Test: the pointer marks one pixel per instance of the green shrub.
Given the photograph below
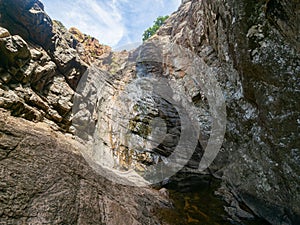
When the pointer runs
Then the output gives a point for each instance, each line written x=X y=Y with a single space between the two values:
x=152 y=30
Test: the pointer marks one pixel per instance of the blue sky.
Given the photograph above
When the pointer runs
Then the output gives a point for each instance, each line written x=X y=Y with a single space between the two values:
x=114 y=22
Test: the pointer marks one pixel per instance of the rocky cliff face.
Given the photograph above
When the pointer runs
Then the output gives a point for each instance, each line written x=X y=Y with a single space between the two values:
x=42 y=73
x=250 y=49
x=254 y=47
x=29 y=20
x=91 y=48
x=253 y=51
x=44 y=178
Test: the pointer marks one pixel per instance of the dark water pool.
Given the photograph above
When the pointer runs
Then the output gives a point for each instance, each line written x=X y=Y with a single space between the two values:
x=195 y=203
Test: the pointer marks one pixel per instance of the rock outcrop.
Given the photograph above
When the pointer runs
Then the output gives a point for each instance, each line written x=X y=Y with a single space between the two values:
x=251 y=49
x=91 y=50
x=254 y=47
x=93 y=53
x=45 y=180
x=253 y=52
x=31 y=85
x=30 y=21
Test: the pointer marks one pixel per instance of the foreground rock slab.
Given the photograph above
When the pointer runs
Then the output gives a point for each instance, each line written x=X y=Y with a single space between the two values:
x=45 y=180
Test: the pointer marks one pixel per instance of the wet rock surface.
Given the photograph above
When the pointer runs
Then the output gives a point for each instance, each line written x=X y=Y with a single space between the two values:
x=257 y=59
x=195 y=202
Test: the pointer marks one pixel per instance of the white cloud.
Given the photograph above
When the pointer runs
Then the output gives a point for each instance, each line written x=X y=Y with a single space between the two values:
x=113 y=22
x=100 y=20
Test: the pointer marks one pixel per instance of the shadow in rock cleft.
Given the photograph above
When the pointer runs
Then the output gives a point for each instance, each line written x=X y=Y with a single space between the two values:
x=195 y=202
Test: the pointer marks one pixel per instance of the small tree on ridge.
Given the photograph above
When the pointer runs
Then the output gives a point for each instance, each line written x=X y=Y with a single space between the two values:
x=152 y=30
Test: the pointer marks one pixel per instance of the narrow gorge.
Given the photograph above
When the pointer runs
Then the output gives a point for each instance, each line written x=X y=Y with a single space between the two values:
x=198 y=125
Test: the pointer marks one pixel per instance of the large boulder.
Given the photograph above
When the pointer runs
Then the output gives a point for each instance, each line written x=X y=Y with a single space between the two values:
x=14 y=54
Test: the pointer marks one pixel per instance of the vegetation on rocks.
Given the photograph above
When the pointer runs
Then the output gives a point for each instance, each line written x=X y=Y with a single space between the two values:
x=152 y=30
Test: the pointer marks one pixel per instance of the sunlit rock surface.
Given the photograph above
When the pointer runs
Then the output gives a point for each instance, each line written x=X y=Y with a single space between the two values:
x=253 y=51
x=44 y=179
x=249 y=49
